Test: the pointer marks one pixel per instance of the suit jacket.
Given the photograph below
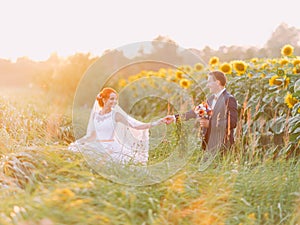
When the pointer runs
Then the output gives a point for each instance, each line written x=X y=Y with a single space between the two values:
x=222 y=122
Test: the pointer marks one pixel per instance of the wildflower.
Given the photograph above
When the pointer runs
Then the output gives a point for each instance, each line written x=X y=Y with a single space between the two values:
x=262 y=75
x=240 y=66
x=198 y=67
x=252 y=216
x=266 y=216
x=226 y=68
x=185 y=83
x=76 y=203
x=287 y=50
x=102 y=218
x=290 y=100
x=63 y=194
x=214 y=60
x=178 y=184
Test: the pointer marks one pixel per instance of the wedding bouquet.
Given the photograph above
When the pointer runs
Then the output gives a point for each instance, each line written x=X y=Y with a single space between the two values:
x=203 y=110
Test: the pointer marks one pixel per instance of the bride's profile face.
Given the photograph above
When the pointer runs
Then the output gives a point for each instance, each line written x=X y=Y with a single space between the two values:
x=111 y=101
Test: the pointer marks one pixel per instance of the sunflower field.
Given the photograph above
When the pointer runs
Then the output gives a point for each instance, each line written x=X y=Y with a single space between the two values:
x=257 y=182
x=267 y=91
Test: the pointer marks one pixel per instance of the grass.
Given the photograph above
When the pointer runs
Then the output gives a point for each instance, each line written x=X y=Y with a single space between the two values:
x=43 y=183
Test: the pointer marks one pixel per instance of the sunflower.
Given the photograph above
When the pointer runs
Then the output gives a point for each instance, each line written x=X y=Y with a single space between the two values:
x=287 y=50
x=226 y=68
x=264 y=66
x=290 y=100
x=151 y=73
x=254 y=60
x=185 y=83
x=162 y=72
x=172 y=79
x=122 y=83
x=275 y=80
x=240 y=66
x=188 y=69
x=280 y=72
x=179 y=74
x=250 y=75
x=143 y=73
x=296 y=70
x=214 y=61
x=170 y=71
x=286 y=82
x=296 y=62
x=283 y=62
x=133 y=78
x=273 y=61
x=198 y=67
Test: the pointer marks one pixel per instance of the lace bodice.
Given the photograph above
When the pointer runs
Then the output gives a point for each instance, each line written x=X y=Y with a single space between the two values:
x=104 y=126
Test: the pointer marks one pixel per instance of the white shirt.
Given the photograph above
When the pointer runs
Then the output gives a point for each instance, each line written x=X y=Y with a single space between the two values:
x=216 y=96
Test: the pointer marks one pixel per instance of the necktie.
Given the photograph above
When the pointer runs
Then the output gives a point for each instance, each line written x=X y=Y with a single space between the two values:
x=214 y=101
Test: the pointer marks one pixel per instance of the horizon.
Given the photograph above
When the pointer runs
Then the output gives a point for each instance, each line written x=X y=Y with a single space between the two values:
x=68 y=28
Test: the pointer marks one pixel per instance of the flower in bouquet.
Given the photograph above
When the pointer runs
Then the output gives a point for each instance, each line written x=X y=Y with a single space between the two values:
x=203 y=110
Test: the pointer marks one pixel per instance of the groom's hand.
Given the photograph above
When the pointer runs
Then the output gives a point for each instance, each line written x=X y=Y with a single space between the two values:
x=168 y=119
x=204 y=122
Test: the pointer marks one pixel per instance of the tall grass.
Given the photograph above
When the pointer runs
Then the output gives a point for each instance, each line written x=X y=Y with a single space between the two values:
x=43 y=183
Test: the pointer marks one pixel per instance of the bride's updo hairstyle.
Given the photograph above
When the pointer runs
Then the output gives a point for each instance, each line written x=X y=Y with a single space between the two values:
x=104 y=95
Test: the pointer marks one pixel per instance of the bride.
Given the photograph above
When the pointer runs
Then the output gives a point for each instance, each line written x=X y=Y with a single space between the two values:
x=113 y=134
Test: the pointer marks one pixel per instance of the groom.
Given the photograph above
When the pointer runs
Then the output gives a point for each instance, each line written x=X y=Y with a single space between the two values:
x=218 y=129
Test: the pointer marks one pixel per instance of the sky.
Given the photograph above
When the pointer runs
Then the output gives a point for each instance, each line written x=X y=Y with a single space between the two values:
x=38 y=28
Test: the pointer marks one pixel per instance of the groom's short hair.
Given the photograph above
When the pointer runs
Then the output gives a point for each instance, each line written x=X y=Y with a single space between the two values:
x=218 y=75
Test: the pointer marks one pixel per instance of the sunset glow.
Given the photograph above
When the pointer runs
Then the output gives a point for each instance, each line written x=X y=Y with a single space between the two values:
x=38 y=28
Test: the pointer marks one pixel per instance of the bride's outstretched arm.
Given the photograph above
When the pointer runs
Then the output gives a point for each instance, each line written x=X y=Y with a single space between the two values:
x=140 y=125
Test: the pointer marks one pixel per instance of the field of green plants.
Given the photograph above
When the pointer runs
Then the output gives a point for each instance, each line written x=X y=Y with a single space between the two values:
x=257 y=182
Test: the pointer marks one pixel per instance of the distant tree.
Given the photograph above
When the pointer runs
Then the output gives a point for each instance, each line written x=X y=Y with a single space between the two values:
x=63 y=75
x=282 y=35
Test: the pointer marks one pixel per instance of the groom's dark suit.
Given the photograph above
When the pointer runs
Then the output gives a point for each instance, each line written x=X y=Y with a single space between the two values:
x=222 y=122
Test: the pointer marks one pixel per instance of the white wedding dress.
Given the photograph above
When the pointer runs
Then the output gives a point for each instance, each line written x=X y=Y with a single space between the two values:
x=115 y=141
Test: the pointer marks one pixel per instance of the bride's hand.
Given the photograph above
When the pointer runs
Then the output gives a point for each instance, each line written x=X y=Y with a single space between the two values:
x=157 y=122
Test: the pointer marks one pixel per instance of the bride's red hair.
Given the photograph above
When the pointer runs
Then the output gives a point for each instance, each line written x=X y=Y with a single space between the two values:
x=104 y=95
